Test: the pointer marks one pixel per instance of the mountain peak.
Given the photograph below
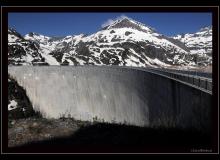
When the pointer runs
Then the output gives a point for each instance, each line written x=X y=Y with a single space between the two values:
x=13 y=32
x=36 y=37
x=31 y=34
x=205 y=31
x=206 y=28
x=126 y=22
x=10 y=29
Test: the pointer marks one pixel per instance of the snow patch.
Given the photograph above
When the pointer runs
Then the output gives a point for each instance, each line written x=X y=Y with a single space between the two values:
x=12 y=105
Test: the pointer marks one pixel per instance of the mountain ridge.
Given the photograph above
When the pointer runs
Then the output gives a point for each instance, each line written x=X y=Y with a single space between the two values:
x=125 y=42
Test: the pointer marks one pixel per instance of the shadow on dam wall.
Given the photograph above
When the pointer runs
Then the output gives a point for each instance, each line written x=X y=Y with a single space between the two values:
x=114 y=94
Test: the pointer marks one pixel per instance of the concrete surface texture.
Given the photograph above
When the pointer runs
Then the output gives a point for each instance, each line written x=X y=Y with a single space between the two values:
x=114 y=94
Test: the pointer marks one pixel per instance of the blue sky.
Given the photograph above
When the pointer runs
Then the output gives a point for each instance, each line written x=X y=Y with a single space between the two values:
x=62 y=24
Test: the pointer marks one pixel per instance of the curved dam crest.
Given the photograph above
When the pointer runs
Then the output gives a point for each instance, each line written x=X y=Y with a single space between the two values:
x=114 y=94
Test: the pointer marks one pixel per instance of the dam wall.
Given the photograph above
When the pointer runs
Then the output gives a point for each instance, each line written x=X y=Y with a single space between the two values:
x=114 y=94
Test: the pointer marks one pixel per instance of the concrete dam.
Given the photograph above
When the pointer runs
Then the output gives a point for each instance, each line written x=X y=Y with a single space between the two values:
x=114 y=94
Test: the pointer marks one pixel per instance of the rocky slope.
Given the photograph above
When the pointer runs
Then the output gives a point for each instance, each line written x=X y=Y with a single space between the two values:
x=199 y=44
x=19 y=105
x=22 y=51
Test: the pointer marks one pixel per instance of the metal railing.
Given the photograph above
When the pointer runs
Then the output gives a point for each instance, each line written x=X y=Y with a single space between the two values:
x=198 y=81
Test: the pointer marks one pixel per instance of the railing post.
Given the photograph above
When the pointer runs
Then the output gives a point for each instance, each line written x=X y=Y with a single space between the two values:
x=206 y=84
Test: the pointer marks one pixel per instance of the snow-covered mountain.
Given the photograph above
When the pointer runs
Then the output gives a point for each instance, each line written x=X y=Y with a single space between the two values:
x=199 y=43
x=125 y=42
x=22 y=51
